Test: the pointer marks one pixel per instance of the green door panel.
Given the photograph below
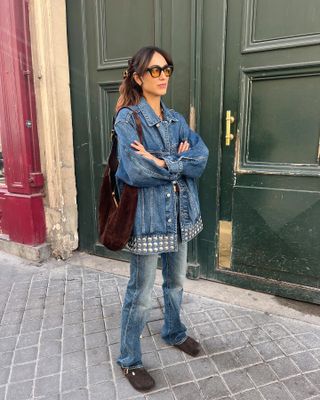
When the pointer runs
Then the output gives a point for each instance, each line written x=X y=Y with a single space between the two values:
x=278 y=19
x=285 y=131
x=276 y=241
x=270 y=174
x=116 y=37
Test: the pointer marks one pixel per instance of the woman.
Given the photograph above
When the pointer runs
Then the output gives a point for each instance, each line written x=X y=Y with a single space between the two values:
x=164 y=168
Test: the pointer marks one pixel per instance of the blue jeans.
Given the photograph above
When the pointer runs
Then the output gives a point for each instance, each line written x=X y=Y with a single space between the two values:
x=137 y=302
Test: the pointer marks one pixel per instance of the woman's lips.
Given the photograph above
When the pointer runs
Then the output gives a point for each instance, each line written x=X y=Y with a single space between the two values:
x=162 y=86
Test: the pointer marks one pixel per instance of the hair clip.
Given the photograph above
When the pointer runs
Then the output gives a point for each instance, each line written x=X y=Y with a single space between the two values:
x=125 y=74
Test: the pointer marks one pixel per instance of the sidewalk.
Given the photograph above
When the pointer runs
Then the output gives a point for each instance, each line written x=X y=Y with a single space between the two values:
x=59 y=338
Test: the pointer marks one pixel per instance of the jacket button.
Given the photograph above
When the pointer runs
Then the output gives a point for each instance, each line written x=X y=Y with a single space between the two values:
x=158 y=124
x=169 y=219
x=168 y=194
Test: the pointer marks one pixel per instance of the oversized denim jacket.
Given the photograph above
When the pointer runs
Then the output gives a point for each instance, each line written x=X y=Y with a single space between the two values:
x=155 y=228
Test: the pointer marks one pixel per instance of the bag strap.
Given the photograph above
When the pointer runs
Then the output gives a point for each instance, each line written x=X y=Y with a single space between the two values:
x=138 y=124
x=136 y=118
x=113 y=160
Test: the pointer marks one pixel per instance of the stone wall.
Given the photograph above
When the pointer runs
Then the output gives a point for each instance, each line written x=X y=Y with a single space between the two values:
x=48 y=29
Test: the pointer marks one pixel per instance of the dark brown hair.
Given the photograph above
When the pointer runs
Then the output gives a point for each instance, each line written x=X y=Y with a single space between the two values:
x=130 y=91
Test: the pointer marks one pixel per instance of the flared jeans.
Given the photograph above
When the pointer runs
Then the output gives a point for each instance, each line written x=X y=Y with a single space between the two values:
x=138 y=300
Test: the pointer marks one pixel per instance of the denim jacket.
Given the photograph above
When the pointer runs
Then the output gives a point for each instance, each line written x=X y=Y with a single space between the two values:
x=156 y=222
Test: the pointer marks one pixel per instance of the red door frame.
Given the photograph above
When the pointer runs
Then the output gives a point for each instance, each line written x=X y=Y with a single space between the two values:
x=21 y=198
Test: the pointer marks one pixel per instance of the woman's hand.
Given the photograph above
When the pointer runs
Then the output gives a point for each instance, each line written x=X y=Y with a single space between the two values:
x=142 y=151
x=183 y=146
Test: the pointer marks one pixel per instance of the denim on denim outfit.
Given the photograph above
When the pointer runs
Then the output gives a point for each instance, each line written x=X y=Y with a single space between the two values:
x=165 y=220
x=156 y=227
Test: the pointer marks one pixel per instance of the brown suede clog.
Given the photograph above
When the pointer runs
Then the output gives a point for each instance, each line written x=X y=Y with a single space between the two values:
x=189 y=346
x=139 y=378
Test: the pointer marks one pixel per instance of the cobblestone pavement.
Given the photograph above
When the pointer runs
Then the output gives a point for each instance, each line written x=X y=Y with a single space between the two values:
x=59 y=338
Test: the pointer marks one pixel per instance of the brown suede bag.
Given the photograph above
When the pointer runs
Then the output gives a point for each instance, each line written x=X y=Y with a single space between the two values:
x=117 y=213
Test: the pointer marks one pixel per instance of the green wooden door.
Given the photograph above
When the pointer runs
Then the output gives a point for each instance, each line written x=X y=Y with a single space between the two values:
x=102 y=36
x=270 y=174
x=258 y=59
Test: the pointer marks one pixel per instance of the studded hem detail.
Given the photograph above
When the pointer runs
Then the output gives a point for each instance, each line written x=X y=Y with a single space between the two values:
x=192 y=231
x=153 y=244
x=163 y=243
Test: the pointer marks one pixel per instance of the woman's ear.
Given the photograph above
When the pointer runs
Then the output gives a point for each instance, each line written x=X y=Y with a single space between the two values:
x=137 y=78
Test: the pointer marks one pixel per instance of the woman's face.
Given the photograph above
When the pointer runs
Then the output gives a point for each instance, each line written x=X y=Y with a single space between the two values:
x=154 y=86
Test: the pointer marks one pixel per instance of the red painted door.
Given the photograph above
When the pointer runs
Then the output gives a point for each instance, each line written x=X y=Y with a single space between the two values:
x=21 y=195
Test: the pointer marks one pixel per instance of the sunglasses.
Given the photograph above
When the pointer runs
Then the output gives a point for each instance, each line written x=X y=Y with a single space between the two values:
x=155 y=71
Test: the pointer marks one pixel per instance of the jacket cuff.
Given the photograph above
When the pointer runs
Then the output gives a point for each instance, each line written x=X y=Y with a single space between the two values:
x=174 y=167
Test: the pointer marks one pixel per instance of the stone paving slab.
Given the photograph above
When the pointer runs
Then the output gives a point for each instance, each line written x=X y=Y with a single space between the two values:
x=59 y=339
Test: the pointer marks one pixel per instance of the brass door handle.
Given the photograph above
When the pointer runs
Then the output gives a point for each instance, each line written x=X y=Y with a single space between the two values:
x=229 y=121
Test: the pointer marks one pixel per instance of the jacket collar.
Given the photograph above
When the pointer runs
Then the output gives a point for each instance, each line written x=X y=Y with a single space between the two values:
x=151 y=117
